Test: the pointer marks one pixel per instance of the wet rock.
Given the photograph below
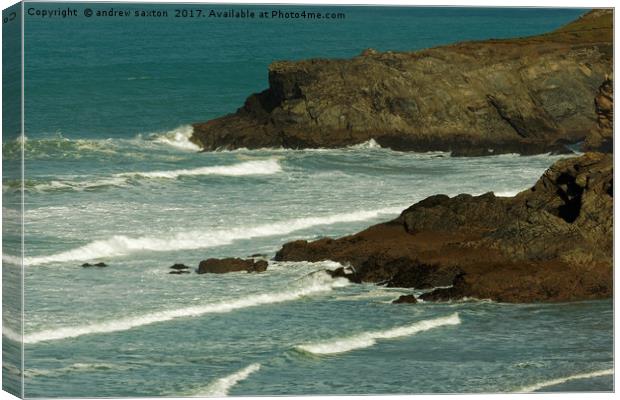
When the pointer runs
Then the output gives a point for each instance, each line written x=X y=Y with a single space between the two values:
x=346 y=273
x=99 y=264
x=405 y=299
x=179 y=267
x=552 y=242
x=225 y=265
x=527 y=95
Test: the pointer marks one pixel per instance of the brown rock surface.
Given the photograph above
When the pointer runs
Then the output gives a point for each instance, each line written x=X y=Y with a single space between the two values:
x=552 y=242
x=405 y=299
x=527 y=95
x=225 y=265
x=601 y=138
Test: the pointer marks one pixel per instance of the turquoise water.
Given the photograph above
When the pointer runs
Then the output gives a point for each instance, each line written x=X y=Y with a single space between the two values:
x=112 y=177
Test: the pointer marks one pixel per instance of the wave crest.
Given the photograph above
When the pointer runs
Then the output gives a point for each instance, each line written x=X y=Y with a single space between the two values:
x=222 y=386
x=178 y=138
x=537 y=386
x=368 y=339
x=120 y=245
x=314 y=283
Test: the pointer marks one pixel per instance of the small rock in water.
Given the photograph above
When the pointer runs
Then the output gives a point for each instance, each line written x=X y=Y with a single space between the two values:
x=225 y=265
x=406 y=298
x=99 y=264
x=179 y=267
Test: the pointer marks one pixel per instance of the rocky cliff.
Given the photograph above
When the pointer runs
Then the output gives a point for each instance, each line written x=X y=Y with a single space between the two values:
x=553 y=242
x=526 y=95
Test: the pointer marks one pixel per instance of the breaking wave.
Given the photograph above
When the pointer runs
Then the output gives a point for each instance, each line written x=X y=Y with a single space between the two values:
x=256 y=167
x=368 y=339
x=177 y=138
x=314 y=283
x=553 y=382
x=75 y=368
x=246 y=168
x=120 y=245
x=222 y=386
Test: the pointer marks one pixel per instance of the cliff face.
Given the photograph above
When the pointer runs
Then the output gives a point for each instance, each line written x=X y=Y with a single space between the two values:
x=553 y=242
x=526 y=95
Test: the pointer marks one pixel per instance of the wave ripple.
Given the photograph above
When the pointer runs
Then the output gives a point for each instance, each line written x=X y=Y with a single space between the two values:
x=314 y=283
x=368 y=339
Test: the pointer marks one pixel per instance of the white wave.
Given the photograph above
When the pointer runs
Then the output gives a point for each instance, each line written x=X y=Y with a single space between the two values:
x=80 y=185
x=248 y=168
x=13 y=260
x=507 y=193
x=76 y=367
x=553 y=382
x=178 y=138
x=11 y=334
x=368 y=339
x=312 y=284
x=255 y=167
x=222 y=386
x=122 y=245
x=369 y=144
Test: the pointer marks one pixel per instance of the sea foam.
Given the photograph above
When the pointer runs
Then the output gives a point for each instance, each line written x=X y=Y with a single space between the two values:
x=368 y=339
x=558 y=381
x=314 y=283
x=222 y=386
x=177 y=138
x=121 y=245
x=246 y=168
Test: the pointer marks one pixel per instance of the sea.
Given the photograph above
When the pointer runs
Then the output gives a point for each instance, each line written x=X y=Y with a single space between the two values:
x=111 y=176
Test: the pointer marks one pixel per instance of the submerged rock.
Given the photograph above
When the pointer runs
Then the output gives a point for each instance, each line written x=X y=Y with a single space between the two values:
x=406 y=298
x=99 y=264
x=526 y=95
x=179 y=272
x=225 y=265
x=552 y=242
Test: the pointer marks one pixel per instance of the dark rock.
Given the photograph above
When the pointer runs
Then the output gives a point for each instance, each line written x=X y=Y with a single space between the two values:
x=222 y=266
x=553 y=242
x=99 y=264
x=179 y=266
x=342 y=272
x=528 y=95
x=406 y=298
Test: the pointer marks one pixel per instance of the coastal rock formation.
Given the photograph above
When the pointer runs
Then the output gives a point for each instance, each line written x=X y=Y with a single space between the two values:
x=601 y=138
x=526 y=95
x=225 y=265
x=553 y=242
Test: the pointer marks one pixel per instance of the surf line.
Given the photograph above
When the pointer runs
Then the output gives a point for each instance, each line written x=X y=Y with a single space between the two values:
x=558 y=381
x=368 y=339
x=313 y=284
x=222 y=386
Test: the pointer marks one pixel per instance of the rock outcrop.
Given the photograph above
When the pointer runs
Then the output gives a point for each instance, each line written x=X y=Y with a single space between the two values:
x=526 y=95
x=553 y=242
x=601 y=138
x=225 y=265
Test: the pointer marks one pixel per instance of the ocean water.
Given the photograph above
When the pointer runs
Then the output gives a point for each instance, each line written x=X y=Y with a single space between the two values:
x=111 y=177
